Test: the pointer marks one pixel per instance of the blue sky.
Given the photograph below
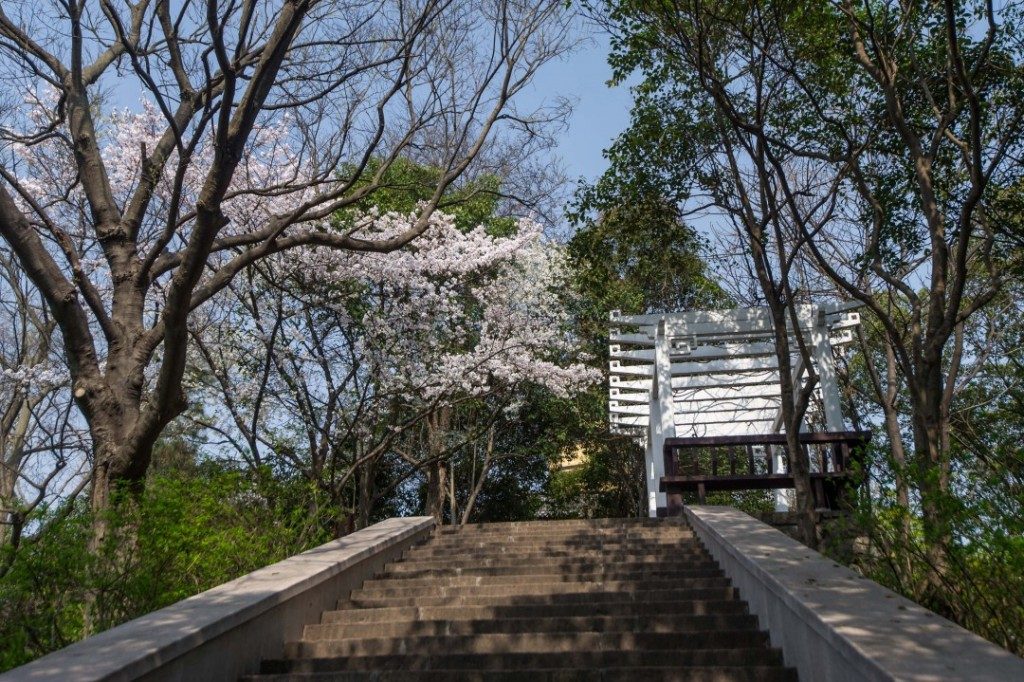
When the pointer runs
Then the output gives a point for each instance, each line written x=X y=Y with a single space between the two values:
x=600 y=112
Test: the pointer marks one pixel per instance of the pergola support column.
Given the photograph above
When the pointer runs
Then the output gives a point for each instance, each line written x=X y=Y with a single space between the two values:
x=662 y=421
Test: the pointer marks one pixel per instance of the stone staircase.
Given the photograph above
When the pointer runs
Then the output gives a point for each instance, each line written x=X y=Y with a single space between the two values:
x=546 y=600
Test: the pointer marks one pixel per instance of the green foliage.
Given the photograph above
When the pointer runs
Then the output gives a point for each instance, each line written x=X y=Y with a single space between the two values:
x=984 y=507
x=607 y=480
x=407 y=183
x=631 y=252
x=637 y=256
x=42 y=593
x=791 y=68
x=192 y=529
x=984 y=572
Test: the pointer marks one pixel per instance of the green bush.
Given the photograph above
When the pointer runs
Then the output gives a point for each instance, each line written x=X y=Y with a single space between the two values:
x=190 y=530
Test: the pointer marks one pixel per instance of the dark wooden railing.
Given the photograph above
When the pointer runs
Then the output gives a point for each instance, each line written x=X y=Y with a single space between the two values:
x=710 y=463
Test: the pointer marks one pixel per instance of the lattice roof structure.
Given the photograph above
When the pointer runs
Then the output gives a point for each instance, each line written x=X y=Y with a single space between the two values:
x=723 y=372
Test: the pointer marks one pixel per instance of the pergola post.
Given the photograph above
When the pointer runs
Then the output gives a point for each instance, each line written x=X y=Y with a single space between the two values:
x=826 y=368
x=662 y=420
x=778 y=466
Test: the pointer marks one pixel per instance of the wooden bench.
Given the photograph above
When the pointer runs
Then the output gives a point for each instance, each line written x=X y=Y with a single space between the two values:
x=730 y=463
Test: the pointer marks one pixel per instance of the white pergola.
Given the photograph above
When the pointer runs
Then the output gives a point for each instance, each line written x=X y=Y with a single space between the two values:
x=715 y=373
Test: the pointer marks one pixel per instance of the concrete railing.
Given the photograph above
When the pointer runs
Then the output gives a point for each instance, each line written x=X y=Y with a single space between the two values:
x=225 y=632
x=833 y=624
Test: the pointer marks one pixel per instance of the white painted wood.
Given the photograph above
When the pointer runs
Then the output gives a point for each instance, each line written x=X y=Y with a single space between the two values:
x=630 y=420
x=762 y=424
x=702 y=352
x=770 y=402
x=839 y=310
x=686 y=398
x=617 y=367
x=646 y=354
x=732 y=350
x=619 y=408
x=631 y=339
x=631 y=396
x=726 y=416
x=825 y=366
x=730 y=366
x=711 y=416
x=716 y=317
x=710 y=430
x=740 y=381
x=750 y=382
x=722 y=371
x=663 y=426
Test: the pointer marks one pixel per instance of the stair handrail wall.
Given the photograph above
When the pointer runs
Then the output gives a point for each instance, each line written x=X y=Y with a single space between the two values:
x=225 y=632
x=833 y=624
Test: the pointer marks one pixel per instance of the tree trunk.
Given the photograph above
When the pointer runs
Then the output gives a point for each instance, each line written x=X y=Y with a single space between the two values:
x=932 y=462
x=478 y=484
x=117 y=468
x=367 y=489
x=12 y=452
x=7 y=504
x=807 y=518
x=892 y=429
x=437 y=472
x=120 y=463
x=453 y=504
x=779 y=297
x=887 y=397
x=437 y=490
x=792 y=419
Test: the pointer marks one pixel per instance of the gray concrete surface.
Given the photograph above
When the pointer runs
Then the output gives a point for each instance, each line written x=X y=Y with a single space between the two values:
x=833 y=624
x=225 y=632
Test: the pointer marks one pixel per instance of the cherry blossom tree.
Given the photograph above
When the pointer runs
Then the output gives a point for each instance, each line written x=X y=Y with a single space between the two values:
x=363 y=349
x=266 y=119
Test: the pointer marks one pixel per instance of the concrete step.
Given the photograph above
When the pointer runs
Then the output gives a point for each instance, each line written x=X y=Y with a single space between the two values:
x=640 y=597
x=548 y=562
x=561 y=601
x=523 y=544
x=562 y=624
x=526 y=642
x=716 y=673
x=549 y=528
x=692 y=607
x=431 y=578
x=636 y=534
x=512 y=589
x=413 y=570
x=540 y=526
x=526 y=553
x=564 y=542
x=680 y=658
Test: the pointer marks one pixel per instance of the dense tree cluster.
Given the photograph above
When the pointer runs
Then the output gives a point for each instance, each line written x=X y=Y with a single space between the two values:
x=273 y=271
x=867 y=153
